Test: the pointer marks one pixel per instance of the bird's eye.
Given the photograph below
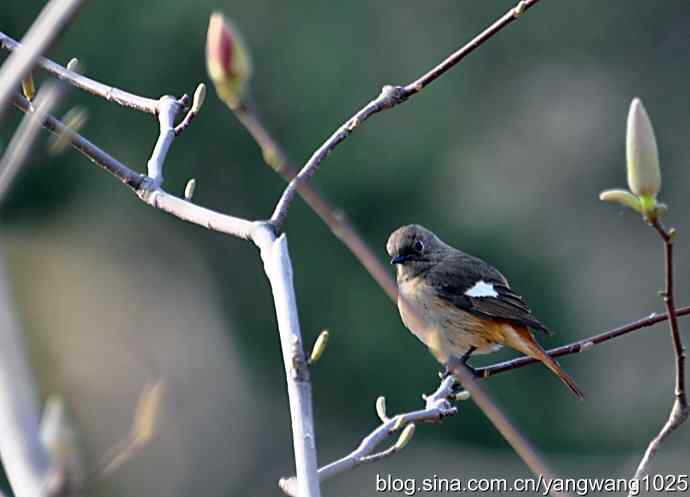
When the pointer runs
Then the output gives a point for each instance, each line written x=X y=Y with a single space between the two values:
x=418 y=247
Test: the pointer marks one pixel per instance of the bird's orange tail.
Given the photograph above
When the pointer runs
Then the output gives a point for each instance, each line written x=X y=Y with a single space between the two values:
x=550 y=363
x=528 y=345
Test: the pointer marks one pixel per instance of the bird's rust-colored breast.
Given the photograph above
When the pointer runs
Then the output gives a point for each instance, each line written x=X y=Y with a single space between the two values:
x=444 y=328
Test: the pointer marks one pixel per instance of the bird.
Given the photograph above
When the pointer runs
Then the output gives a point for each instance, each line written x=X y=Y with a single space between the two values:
x=459 y=305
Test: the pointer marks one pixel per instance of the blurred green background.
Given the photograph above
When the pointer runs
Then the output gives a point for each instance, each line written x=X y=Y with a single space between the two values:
x=503 y=157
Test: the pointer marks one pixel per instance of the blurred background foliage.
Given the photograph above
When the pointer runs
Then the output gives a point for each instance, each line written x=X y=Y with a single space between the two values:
x=503 y=157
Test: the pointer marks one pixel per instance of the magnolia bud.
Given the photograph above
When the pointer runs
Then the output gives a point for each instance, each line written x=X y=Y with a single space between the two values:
x=644 y=176
x=405 y=437
x=189 y=189
x=29 y=88
x=623 y=197
x=381 y=408
x=319 y=347
x=199 y=98
x=227 y=59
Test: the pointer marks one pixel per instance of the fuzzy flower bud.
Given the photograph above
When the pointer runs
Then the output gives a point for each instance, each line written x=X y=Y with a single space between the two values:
x=227 y=59
x=623 y=197
x=644 y=176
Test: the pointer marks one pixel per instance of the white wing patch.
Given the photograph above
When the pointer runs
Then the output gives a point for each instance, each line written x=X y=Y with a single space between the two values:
x=482 y=289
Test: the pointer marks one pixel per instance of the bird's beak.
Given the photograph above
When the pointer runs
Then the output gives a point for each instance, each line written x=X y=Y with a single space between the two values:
x=399 y=259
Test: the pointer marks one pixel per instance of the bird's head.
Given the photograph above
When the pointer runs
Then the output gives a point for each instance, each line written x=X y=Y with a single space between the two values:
x=414 y=249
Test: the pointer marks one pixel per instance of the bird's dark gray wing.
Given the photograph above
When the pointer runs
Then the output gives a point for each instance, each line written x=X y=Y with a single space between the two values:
x=457 y=275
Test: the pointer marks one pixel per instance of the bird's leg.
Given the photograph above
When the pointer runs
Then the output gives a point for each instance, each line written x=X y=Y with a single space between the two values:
x=466 y=356
x=457 y=387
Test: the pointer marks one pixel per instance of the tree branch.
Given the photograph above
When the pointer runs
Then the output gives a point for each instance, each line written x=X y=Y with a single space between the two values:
x=583 y=345
x=278 y=268
x=502 y=423
x=54 y=17
x=679 y=411
x=390 y=97
x=27 y=132
x=96 y=155
x=437 y=407
x=29 y=467
x=143 y=185
x=109 y=93
x=334 y=218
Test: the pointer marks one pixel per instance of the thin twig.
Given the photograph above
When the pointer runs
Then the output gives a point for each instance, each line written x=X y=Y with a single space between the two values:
x=109 y=93
x=334 y=218
x=168 y=108
x=502 y=423
x=96 y=155
x=23 y=139
x=438 y=71
x=437 y=407
x=54 y=17
x=142 y=184
x=389 y=97
x=679 y=411
x=583 y=345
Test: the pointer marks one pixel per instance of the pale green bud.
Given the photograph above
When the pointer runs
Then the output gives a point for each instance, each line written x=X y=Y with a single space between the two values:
x=405 y=437
x=623 y=197
x=319 y=347
x=199 y=97
x=381 y=408
x=189 y=189
x=29 y=88
x=644 y=175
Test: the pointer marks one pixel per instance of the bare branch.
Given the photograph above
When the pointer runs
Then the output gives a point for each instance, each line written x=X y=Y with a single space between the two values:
x=334 y=218
x=501 y=421
x=679 y=411
x=278 y=268
x=142 y=184
x=28 y=465
x=431 y=413
x=438 y=71
x=437 y=407
x=389 y=97
x=96 y=155
x=109 y=93
x=168 y=108
x=54 y=17
x=23 y=139
x=583 y=345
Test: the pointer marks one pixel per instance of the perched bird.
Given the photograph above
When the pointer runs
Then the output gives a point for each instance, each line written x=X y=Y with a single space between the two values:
x=457 y=304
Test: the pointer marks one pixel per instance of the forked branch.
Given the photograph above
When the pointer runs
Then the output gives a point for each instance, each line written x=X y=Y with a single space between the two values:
x=679 y=410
